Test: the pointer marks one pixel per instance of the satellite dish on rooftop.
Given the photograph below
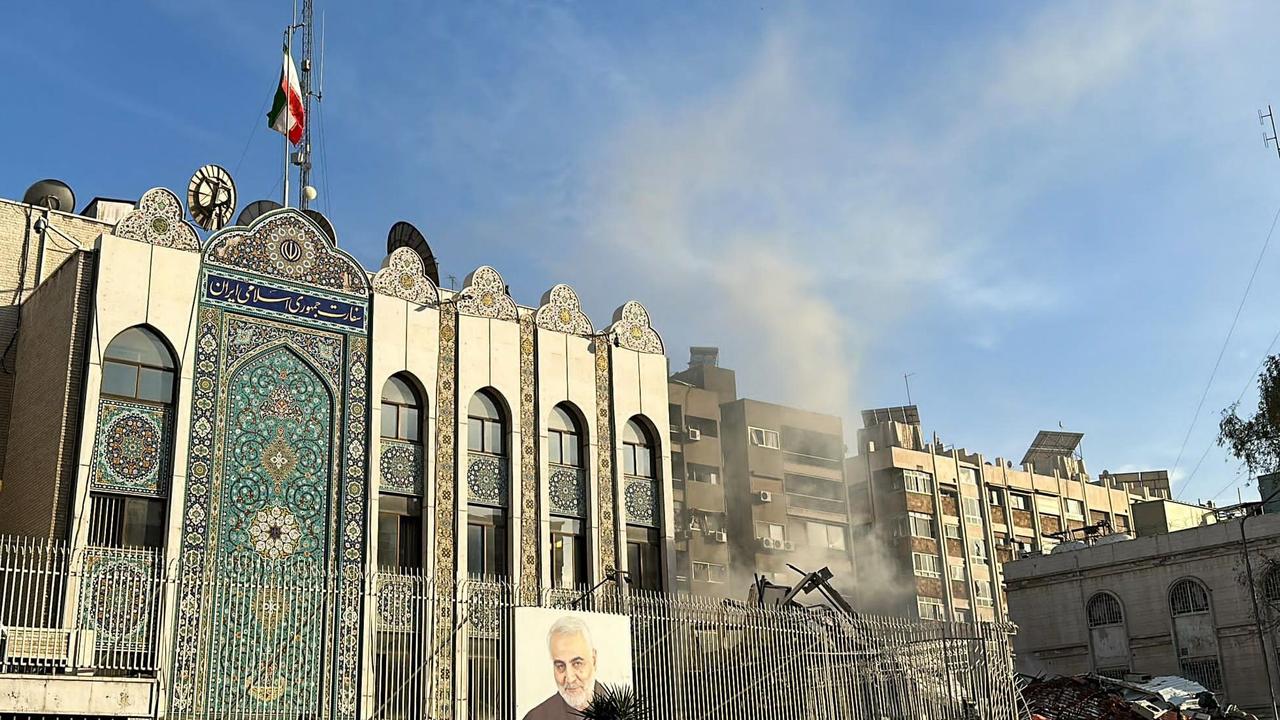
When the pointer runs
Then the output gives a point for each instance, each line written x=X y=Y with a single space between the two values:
x=324 y=224
x=51 y=194
x=404 y=234
x=256 y=209
x=211 y=197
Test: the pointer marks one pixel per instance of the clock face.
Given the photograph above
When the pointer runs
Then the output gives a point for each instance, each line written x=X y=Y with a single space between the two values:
x=211 y=197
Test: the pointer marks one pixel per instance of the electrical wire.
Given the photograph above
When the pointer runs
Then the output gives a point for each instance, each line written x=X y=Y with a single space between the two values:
x=1231 y=330
x=257 y=123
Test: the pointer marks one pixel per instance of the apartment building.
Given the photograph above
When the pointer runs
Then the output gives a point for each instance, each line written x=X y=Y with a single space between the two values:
x=933 y=525
x=757 y=486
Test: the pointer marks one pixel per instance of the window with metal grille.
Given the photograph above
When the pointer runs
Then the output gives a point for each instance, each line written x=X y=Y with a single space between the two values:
x=1204 y=671
x=1271 y=587
x=1188 y=597
x=1104 y=609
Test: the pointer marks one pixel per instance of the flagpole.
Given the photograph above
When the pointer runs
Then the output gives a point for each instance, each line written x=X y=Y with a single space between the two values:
x=288 y=47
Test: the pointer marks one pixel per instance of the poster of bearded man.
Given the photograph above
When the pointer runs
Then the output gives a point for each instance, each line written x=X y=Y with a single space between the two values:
x=563 y=657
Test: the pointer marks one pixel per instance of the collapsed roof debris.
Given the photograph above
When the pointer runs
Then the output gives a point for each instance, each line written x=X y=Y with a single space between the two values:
x=1094 y=697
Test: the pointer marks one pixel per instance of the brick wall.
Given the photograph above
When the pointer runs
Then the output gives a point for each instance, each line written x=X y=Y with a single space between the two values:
x=49 y=361
x=26 y=259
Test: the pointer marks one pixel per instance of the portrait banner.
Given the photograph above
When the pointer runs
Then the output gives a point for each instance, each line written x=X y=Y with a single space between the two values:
x=565 y=657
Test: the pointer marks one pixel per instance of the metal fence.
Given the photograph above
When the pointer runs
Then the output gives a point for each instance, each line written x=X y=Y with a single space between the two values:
x=693 y=658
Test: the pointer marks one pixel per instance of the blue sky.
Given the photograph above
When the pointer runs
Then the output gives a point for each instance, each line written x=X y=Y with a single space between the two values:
x=1046 y=212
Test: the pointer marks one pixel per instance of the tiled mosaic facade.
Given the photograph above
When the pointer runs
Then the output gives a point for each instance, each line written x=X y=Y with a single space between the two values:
x=605 y=479
x=562 y=311
x=158 y=220
x=404 y=276
x=132 y=447
x=400 y=466
x=487 y=480
x=640 y=498
x=445 y=529
x=118 y=597
x=485 y=295
x=277 y=480
x=529 y=527
x=632 y=329
x=567 y=488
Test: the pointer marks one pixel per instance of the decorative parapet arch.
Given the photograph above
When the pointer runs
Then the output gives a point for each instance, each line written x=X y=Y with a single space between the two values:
x=286 y=244
x=403 y=275
x=631 y=329
x=562 y=311
x=158 y=220
x=484 y=294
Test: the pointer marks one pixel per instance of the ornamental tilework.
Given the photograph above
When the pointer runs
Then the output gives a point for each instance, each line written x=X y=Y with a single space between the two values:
x=529 y=525
x=119 y=596
x=400 y=467
x=486 y=480
x=445 y=532
x=395 y=599
x=404 y=276
x=562 y=311
x=275 y=496
x=132 y=447
x=485 y=295
x=568 y=491
x=158 y=220
x=604 y=470
x=286 y=244
x=641 y=501
x=633 y=330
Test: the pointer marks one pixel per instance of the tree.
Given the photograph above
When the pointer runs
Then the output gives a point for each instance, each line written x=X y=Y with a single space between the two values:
x=615 y=702
x=1256 y=440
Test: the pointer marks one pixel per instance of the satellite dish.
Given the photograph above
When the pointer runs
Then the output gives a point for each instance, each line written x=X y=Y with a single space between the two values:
x=256 y=208
x=404 y=234
x=211 y=197
x=51 y=194
x=324 y=224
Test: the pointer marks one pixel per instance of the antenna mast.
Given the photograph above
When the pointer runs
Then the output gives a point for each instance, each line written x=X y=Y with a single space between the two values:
x=303 y=157
x=1269 y=140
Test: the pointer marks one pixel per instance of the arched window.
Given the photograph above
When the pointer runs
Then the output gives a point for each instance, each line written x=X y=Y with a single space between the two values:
x=138 y=365
x=637 y=451
x=401 y=461
x=401 y=410
x=1104 y=609
x=486 y=425
x=566 y=455
x=1195 y=635
x=1188 y=597
x=564 y=438
x=639 y=468
x=134 y=441
x=1271 y=588
x=487 y=473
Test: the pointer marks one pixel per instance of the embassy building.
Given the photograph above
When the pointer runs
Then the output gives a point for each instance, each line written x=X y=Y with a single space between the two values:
x=244 y=477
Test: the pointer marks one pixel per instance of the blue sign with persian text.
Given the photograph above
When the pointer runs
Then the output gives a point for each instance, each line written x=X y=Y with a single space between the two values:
x=278 y=301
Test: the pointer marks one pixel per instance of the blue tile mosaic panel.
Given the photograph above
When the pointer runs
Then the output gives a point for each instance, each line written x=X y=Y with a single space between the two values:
x=400 y=467
x=131 y=448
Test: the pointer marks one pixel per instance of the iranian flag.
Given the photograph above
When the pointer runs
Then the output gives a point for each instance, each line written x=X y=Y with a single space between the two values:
x=287 y=116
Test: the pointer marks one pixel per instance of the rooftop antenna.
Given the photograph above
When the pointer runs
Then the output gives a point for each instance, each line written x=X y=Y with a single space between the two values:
x=302 y=158
x=906 y=380
x=1263 y=119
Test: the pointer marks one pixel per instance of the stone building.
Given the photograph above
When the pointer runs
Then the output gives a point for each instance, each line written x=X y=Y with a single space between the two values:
x=757 y=486
x=932 y=527
x=257 y=404
x=1175 y=603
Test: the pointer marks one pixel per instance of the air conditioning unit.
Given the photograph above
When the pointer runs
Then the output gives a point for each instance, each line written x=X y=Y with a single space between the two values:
x=764 y=496
x=695 y=434
x=788 y=545
x=713 y=478
x=721 y=536
x=766 y=543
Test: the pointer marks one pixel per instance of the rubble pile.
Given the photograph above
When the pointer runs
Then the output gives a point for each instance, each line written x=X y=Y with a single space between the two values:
x=1094 y=697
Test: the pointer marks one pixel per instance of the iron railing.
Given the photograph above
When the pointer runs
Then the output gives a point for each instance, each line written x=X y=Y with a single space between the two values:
x=101 y=610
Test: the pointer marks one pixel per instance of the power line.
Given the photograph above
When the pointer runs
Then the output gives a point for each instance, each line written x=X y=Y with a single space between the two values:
x=1231 y=330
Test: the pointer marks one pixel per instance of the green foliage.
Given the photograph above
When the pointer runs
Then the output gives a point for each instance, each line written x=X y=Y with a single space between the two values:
x=615 y=702
x=1256 y=440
